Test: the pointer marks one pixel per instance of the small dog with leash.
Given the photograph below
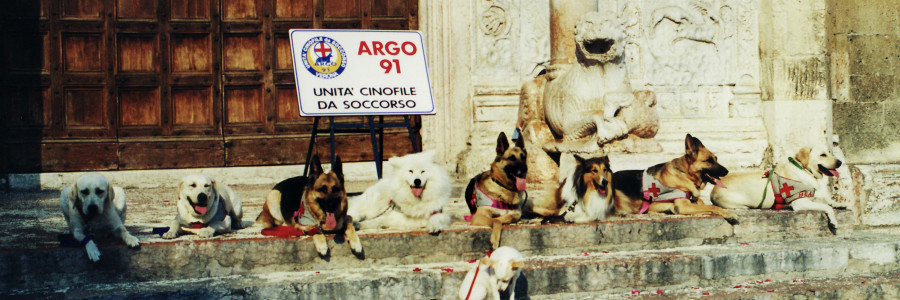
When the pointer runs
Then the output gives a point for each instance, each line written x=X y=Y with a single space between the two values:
x=204 y=208
x=495 y=197
x=672 y=187
x=93 y=205
x=315 y=204
x=792 y=182
x=494 y=273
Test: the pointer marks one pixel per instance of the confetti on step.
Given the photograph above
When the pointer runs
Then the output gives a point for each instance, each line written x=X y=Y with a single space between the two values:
x=738 y=286
x=795 y=280
x=635 y=292
x=770 y=291
x=583 y=254
x=768 y=280
x=604 y=251
x=705 y=293
x=471 y=261
x=417 y=270
x=659 y=292
x=745 y=244
x=447 y=269
x=694 y=287
x=758 y=281
x=864 y=282
x=165 y=201
x=317 y=272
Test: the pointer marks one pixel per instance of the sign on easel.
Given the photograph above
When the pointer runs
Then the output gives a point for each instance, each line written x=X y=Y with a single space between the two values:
x=357 y=72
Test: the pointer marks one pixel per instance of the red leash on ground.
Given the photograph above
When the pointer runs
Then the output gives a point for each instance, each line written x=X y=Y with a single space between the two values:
x=287 y=231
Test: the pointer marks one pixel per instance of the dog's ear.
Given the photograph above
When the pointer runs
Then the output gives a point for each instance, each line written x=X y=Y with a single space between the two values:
x=502 y=143
x=315 y=167
x=338 y=168
x=802 y=156
x=520 y=142
x=579 y=159
x=692 y=145
x=605 y=161
x=487 y=261
x=73 y=196
x=517 y=265
x=110 y=194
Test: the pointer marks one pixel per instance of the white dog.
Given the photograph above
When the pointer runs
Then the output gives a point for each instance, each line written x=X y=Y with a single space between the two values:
x=793 y=182
x=496 y=272
x=411 y=197
x=205 y=208
x=92 y=205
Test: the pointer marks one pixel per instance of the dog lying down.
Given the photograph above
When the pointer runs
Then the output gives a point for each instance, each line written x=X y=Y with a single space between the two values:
x=204 y=208
x=792 y=182
x=411 y=197
x=93 y=206
x=496 y=272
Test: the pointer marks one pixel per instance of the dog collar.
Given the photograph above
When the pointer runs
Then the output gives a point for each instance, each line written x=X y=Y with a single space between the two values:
x=654 y=191
x=795 y=163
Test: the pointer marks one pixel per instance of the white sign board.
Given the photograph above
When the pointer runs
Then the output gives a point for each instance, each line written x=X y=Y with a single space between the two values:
x=353 y=72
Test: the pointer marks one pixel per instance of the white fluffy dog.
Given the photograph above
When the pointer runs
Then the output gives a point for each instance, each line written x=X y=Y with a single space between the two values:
x=205 y=208
x=411 y=197
x=496 y=272
x=92 y=205
x=794 y=183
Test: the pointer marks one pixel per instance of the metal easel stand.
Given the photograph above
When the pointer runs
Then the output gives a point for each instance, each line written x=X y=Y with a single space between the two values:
x=370 y=126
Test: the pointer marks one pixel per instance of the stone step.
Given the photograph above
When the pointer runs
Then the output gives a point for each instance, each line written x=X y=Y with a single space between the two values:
x=250 y=254
x=712 y=267
x=848 y=287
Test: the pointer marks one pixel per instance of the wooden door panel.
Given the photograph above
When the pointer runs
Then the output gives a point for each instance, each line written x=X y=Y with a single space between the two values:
x=190 y=10
x=243 y=53
x=193 y=107
x=239 y=10
x=136 y=9
x=191 y=53
x=78 y=156
x=243 y=105
x=81 y=9
x=140 y=107
x=85 y=107
x=82 y=52
x=292 y=149
x=137 y=53
x=294 y=9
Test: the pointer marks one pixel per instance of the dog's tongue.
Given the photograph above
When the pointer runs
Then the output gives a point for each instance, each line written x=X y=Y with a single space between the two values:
x=329 y=220
x=835 y=173
x=417 y=191
x=520 y=184
x=200 y=209
x=719 y=182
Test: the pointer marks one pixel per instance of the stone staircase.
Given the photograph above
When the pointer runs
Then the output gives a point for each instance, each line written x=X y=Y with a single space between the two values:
x=660 y=256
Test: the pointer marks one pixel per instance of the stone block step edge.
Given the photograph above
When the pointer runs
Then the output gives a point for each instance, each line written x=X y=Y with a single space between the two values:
x=718 y=266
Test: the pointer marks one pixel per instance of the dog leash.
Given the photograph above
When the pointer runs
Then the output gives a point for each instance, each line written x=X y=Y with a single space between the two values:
x=477 y=268
x=766 y=187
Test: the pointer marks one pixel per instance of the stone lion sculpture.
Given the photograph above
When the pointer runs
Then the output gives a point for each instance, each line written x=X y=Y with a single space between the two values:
x=588 y=107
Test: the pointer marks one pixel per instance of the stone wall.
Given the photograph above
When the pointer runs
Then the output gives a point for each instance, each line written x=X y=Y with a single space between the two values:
x=864 y=43
x=865 y=76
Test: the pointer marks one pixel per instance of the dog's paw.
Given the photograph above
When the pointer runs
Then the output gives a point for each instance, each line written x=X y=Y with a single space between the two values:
x=206 y=232
x=437 y=223
x=92 y=251
x=322 y=249
x=171 y=234
x=132 y=241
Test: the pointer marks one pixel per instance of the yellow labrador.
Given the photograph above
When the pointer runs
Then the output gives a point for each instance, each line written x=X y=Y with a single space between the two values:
x=792 y=182
x=205 y=208
x=92 y=205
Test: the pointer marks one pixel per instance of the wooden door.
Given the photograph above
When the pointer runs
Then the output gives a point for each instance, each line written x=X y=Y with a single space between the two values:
x=138 y=84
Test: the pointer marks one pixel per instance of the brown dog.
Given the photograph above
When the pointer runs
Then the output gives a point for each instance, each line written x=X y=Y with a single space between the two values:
x=495 y=197
x=316 y=204
x=584 y=196
x=672 y=187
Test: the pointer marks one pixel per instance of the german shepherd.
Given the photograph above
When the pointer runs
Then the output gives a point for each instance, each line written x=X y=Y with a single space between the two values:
x=584 y=196
x=495 y=197
x=636 y=191
x=317 y=204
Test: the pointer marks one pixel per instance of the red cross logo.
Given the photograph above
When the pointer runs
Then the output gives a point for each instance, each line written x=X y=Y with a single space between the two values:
x=785 y=189
x=322 y=49
x=653 y=189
